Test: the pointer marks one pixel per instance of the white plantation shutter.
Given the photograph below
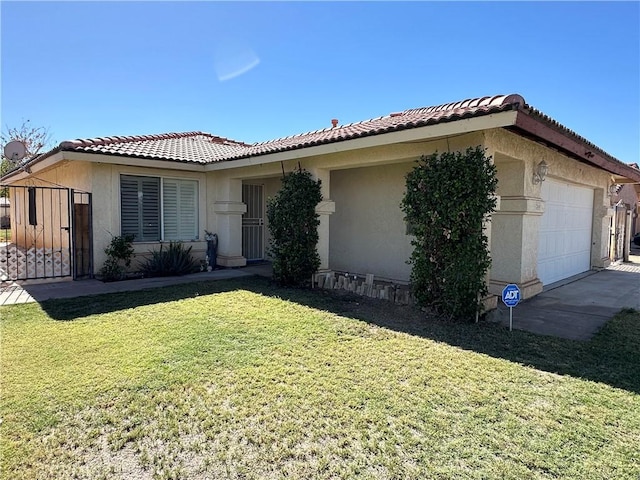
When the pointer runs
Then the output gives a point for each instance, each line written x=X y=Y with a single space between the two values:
x=129 y=216
x=180 y=209
x=140 y=207
x=150 y=206
x=170 y=210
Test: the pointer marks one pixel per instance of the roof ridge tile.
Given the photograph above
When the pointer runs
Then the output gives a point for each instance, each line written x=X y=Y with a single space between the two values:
x=101 y=141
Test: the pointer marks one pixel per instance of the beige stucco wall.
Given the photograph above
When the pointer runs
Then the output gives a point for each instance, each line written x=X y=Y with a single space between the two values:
x=367 y=233
x=367 y=230
x=362 y=228
x=106 y=209
x=76 y=175
x=102 y=180
x=515 y=226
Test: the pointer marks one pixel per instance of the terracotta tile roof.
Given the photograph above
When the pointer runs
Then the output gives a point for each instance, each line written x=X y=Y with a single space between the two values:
x=557 y=126
x=195 y=147
x=199 y=147
x=413 y=118
x=203 y=148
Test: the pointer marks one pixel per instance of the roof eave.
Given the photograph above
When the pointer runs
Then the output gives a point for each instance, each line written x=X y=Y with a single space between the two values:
x=417 y=134
x=579 y=150
x=134 y=161
x=51 y=158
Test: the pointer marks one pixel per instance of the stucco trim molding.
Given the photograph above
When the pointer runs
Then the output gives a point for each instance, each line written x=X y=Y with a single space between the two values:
x=520 y=205
x=229 y=208
x=326 y=207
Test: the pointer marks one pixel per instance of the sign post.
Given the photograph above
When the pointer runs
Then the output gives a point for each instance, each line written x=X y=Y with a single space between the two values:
x=511 y=298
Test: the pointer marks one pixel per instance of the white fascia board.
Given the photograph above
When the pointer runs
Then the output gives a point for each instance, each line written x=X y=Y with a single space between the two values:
x=439 y=130
x=60 y=157
x=38 y=166
x=133 y=161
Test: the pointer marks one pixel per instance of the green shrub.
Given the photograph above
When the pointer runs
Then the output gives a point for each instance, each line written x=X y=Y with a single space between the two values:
x=175 y=260
x=119 y=254
x=447 y=200
x=293 y=223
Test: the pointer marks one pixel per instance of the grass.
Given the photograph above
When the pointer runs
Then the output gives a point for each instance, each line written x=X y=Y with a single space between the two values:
x=239 y=379
x=5 y=235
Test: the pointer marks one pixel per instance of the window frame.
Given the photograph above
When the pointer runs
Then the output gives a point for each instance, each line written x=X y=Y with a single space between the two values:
x=162 y=236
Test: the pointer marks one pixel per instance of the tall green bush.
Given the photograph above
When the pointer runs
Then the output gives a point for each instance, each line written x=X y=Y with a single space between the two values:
x=448 y=198
x=293 y=224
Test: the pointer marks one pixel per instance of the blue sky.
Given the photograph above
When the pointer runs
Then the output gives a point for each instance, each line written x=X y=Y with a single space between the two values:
x=258 y=71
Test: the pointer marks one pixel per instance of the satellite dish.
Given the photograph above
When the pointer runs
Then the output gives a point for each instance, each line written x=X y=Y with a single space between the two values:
x=15 y=150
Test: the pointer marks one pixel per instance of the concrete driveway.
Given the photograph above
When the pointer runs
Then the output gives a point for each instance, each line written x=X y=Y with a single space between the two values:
x=577 y=310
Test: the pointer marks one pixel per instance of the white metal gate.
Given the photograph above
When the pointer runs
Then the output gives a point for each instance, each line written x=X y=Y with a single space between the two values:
x=253 y=223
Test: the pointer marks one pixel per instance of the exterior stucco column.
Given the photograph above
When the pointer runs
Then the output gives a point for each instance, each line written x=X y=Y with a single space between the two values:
x=515 y=226
x=228 y=208
x=325 y=208
x=491 y=300
x=513 y=249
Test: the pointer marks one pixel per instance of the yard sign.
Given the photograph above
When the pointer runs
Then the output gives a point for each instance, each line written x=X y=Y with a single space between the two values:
x=511 y=297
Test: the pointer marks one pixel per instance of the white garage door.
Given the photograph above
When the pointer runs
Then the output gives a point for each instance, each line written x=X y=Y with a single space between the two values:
x=565 y=231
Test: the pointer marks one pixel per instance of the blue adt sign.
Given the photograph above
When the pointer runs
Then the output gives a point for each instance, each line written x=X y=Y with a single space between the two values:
x=511 y=295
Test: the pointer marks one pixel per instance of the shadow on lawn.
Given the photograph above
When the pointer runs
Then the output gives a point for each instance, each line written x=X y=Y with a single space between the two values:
x=611 y=357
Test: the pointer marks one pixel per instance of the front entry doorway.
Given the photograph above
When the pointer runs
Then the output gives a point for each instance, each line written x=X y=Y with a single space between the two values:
x=253 y=223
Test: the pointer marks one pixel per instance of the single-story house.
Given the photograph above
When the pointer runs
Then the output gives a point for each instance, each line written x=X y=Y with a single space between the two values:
x=552 y=221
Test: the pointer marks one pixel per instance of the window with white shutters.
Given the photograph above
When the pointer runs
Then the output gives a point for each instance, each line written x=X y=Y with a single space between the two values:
x=180 y=209
x=140 y=207
x=145 y=200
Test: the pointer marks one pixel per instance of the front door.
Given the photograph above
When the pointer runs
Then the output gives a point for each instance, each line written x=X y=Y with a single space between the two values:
x=253 y=223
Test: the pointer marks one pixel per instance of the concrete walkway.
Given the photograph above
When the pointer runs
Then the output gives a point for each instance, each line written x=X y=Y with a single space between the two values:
x=37 y=291
x=575 y=310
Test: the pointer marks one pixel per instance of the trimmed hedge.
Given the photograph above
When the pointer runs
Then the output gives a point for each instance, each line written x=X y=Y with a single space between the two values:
x=448 y=198
x=293 y=224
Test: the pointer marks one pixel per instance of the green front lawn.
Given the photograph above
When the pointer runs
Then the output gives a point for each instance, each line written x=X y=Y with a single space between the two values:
x=239 y=379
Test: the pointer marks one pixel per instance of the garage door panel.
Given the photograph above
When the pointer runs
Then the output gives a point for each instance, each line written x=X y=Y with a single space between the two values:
x=564 y=247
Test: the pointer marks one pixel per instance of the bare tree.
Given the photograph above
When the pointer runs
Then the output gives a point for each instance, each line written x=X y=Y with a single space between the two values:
x=35 y=139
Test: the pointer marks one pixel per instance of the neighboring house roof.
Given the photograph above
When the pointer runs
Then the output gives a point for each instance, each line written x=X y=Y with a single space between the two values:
x=204 y=148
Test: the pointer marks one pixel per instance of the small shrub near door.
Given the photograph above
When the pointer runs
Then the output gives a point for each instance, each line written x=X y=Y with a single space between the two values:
x=119 y=254
x=293 y=224
x=170 y=261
